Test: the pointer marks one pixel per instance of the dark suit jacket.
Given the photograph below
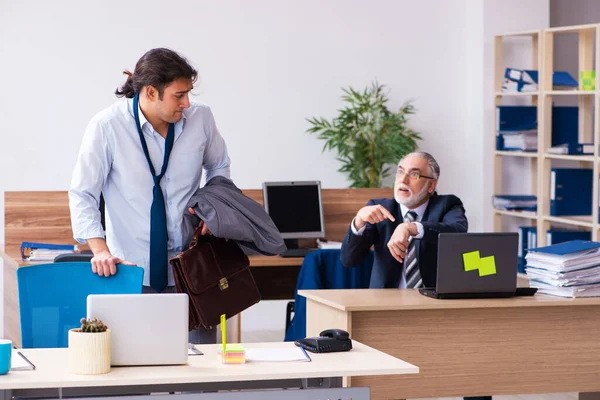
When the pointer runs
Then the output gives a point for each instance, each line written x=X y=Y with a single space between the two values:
x=443 y=214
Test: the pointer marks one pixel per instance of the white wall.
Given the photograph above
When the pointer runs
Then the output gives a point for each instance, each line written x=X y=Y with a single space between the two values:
x=265 y=66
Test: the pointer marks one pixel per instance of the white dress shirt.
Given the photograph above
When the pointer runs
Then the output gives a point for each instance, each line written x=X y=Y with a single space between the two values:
x=404 y=210
x=111 y=161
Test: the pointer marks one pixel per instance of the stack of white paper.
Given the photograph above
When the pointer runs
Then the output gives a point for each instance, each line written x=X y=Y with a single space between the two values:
x=569 y=269
x=328 y=244
x=523 y=140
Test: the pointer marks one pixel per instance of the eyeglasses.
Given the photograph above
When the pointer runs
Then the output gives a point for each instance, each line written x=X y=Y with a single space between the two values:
x=415 y=176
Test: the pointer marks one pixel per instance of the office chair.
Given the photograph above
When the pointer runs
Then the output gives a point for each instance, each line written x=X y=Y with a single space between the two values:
x=289 y=313
x=53 y=298
x=323 y=269
x=74 y=257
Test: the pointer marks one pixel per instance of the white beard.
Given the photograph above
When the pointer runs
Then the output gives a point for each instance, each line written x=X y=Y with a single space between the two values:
x=412 y=200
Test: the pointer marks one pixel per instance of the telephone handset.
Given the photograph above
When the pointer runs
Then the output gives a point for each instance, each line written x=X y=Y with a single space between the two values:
x=328 y=341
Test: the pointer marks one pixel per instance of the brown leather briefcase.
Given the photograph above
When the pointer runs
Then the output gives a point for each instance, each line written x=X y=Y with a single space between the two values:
x=215 y=274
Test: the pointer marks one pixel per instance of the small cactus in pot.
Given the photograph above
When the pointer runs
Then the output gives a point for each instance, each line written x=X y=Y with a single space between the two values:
x=92 y=325
x=90 y=348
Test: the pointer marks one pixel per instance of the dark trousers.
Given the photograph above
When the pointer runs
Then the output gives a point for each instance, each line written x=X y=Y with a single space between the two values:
x=479 y=398
x=196 y=336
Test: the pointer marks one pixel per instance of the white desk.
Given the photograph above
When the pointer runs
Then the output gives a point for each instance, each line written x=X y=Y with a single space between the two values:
x=203 y=372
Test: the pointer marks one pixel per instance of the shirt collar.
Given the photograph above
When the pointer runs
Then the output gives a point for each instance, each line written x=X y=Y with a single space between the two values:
x=143 y=121
x=419 y=210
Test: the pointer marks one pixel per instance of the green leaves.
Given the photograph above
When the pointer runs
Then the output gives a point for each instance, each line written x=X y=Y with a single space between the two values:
x=367 y=135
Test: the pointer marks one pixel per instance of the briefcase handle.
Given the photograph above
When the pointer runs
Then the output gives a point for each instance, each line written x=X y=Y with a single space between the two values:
x=197 y=235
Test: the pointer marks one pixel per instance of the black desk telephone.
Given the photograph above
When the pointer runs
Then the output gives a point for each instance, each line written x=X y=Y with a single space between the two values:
x=328 y=341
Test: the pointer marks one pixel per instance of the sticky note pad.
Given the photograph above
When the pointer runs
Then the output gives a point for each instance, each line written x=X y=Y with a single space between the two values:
x=487 y=266
x=234 y=354
x=588 y=80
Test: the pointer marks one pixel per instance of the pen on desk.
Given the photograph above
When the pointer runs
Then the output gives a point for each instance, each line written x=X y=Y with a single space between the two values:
x=194 y=349
x=26 y=359
x=305 y=353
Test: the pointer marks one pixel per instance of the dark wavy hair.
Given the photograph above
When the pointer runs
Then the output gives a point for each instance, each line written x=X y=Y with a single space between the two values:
x=157 y=68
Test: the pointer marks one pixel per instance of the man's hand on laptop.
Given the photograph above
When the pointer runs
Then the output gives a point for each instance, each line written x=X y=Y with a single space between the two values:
x=398 y=243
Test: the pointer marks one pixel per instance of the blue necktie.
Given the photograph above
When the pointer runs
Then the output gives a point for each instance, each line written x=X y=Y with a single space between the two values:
x=159 y=238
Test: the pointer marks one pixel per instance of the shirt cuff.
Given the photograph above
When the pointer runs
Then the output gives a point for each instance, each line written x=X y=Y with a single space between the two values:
x=90 y=233
x=357 y=232
x=420 y=229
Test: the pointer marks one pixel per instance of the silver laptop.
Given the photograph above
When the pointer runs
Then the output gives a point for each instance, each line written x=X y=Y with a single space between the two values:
x=475 y=265
x=147 y=329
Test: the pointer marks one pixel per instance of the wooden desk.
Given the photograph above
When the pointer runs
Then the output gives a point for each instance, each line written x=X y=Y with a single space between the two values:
x=52 y=372
x=276 y=276
x=538 y=344
x=38 y=216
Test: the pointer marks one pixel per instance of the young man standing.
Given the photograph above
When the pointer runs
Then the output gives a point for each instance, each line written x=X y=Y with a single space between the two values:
x=145 y=154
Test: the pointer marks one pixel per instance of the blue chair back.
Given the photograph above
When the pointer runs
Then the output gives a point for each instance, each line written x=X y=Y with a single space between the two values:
x=53 y=298
x=323 y=269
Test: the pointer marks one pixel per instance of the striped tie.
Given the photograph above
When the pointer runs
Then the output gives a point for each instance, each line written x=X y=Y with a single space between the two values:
x=413 y=275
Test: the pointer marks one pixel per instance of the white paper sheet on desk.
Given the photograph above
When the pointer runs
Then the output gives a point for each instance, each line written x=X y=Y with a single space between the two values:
x=17 y=363
x=329 y=244
x=276 y=354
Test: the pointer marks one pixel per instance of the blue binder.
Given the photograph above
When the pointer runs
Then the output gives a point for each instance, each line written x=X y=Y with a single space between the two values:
x=560 y=236
x=524 y=245
x=565 y=125
x=516 y=118
x=560 y=79
x=574 y=148
x=570 y=191
x=570 y=247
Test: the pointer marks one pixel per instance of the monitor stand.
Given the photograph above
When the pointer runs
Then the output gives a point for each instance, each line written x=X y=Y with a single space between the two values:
x=293 y=250
x=291 y=243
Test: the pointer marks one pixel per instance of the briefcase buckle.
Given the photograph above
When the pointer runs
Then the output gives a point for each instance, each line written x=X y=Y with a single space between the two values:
x=223 y=284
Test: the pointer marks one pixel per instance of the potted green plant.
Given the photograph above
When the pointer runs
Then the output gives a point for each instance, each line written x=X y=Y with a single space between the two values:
x=367 y=135
x=89 y=348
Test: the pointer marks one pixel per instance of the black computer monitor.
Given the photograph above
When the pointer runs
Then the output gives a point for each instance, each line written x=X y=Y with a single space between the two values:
x=296 y=209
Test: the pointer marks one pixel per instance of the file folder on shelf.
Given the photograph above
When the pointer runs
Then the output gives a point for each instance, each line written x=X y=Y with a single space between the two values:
x=516 y=127
x=565 y=125
x=516 y=80
x=515 y=202
x=516 y=118
x=560 y=236
x=573 y=149
x=525 y=242
x=571 y=191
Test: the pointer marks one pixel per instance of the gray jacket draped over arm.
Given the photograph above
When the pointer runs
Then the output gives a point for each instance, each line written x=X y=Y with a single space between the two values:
x=230 y=214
